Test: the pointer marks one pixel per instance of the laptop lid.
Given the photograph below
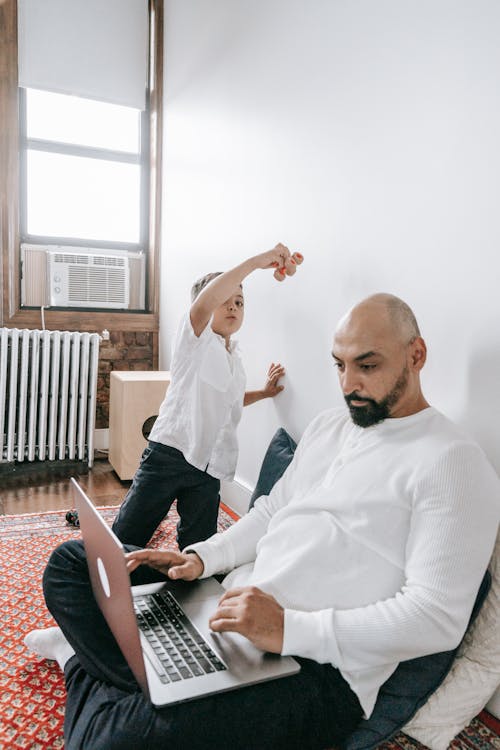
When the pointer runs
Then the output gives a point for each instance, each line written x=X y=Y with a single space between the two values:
x=111 y=583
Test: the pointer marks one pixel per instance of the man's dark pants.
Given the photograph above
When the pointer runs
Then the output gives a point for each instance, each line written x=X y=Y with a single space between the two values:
x=105 y=709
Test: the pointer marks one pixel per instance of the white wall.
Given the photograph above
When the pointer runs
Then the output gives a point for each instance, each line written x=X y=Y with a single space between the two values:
x=366 y=134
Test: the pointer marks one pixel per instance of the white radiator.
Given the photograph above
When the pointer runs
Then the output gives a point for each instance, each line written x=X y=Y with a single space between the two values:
x=48 y=385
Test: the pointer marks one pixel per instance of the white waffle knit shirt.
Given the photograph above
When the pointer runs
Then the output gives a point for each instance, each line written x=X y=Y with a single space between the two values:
x=204 y=401
x=375 y=541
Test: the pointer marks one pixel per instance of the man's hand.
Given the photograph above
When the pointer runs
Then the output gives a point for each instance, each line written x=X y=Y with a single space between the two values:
x=175 y=565
x=252 y=613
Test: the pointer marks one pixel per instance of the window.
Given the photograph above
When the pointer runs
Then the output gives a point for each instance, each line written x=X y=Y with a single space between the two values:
x=62 y=152
x=83 y=171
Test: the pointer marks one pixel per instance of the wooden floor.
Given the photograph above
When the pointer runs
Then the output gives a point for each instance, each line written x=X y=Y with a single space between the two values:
x=28 y=496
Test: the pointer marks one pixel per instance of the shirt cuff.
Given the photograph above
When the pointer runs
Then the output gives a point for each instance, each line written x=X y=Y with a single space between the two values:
x=310 y=635
x=213 y=556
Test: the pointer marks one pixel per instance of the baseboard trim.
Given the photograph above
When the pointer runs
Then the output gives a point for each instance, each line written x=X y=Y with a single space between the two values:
x=101 y=439
x=27 y=472
x=236 y=495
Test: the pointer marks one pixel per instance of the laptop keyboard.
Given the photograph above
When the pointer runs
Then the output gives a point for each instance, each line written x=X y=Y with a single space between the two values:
x=180 y=649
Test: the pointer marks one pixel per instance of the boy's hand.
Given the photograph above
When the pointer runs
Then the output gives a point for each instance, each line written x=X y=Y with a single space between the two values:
x=278 y=257
x=175 y=565
x=284 y=263
x=271 y=387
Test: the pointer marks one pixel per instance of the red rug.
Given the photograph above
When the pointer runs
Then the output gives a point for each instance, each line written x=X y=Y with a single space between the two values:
x=32 y=693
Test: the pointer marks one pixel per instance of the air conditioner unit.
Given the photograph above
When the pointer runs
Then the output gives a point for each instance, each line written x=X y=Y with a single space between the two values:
x=65 y=276
x=81 y=280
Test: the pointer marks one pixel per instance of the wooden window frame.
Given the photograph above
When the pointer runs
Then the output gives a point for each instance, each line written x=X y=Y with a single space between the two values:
x=12 y=315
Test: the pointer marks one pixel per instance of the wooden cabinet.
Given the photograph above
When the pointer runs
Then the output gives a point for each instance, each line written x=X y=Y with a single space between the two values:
x=134 y=401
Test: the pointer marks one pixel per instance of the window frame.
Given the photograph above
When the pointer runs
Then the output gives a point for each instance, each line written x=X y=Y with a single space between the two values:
x=27 y=144
x=12 y=314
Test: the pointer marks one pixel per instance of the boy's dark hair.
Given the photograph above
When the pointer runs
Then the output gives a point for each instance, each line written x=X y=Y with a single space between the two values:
x=202 y=283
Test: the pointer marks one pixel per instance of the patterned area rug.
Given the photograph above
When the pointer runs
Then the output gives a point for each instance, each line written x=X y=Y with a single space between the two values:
x=483 y=733
x=32 y=693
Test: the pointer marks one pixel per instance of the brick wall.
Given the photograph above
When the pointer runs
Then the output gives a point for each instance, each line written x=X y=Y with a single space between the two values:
x=124 y=351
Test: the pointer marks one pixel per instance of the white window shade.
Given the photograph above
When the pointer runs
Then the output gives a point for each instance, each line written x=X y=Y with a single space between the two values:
x=92 y=48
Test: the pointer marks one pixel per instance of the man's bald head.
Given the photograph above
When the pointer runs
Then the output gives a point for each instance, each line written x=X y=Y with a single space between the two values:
x=379 y=353
x=384 y=311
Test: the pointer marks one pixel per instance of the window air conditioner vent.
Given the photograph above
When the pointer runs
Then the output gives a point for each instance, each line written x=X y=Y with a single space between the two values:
x=88 y=281
x=82 y=260
x=109 y=261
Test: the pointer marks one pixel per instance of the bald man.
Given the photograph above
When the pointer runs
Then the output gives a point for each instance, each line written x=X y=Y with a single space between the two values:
x=370 y=550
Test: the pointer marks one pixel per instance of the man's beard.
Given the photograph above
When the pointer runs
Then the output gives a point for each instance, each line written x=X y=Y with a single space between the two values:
x=376 y=411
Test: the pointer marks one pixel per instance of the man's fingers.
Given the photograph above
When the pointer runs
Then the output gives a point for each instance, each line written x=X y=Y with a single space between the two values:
x=227 y=617
x=185 y=571
x=252 y=613
x=226 y=625
x=225 y=612
x=154 y=558
x=231 y=594
x=132 y=565
x=150 y=554
x=234 y=597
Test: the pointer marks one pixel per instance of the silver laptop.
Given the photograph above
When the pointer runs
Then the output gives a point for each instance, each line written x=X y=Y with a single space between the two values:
x=162 y=628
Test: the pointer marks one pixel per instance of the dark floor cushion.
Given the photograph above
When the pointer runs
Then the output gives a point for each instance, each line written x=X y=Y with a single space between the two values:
x=278 y=455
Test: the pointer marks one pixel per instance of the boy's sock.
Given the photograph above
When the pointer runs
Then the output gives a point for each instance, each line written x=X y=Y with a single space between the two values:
x=51 y=644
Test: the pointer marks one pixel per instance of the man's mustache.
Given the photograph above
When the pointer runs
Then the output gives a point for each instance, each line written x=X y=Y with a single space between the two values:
x=356 y=397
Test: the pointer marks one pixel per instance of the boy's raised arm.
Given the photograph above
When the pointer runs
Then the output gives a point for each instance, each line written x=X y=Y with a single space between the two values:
x=223 y=286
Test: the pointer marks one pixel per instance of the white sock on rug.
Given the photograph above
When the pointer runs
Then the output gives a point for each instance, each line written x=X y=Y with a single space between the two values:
x=51 y=644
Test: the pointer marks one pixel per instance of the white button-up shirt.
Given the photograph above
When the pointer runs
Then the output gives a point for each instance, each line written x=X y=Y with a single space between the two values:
x=204 y=401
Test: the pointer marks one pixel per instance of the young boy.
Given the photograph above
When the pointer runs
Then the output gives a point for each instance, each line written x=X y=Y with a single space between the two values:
x=193 y=444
